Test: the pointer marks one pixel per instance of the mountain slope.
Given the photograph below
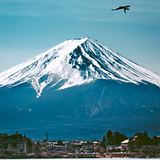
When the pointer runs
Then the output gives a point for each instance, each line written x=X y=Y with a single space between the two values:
x=75 y=62
x=81 y=112
x=84 y=89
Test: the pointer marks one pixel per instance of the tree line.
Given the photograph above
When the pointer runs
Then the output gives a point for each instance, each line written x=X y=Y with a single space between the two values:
x=137 y=140
x=14 y=140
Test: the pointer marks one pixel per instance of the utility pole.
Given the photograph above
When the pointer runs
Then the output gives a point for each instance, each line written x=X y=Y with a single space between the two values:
x=47 y=136
x=25 y=147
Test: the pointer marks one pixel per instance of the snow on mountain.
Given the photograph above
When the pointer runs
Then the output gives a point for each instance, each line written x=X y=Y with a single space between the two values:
x=75 y=62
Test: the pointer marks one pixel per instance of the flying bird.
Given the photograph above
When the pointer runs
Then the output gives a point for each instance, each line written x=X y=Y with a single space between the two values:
x=125 y=8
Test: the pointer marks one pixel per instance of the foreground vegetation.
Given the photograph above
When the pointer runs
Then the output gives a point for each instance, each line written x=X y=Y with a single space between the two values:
x=138 y=140
x=113 y=144
x=141 y=144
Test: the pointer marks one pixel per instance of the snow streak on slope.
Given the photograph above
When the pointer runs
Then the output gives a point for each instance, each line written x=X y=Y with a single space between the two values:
x=75 y=62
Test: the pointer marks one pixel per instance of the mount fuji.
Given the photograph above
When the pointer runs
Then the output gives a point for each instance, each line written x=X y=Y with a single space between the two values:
x=79 y=89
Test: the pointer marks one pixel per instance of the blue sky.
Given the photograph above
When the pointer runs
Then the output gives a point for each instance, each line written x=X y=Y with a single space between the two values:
x=29 y=27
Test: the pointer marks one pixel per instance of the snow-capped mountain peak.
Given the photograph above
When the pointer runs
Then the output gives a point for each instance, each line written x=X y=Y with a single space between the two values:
x=75 y=62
